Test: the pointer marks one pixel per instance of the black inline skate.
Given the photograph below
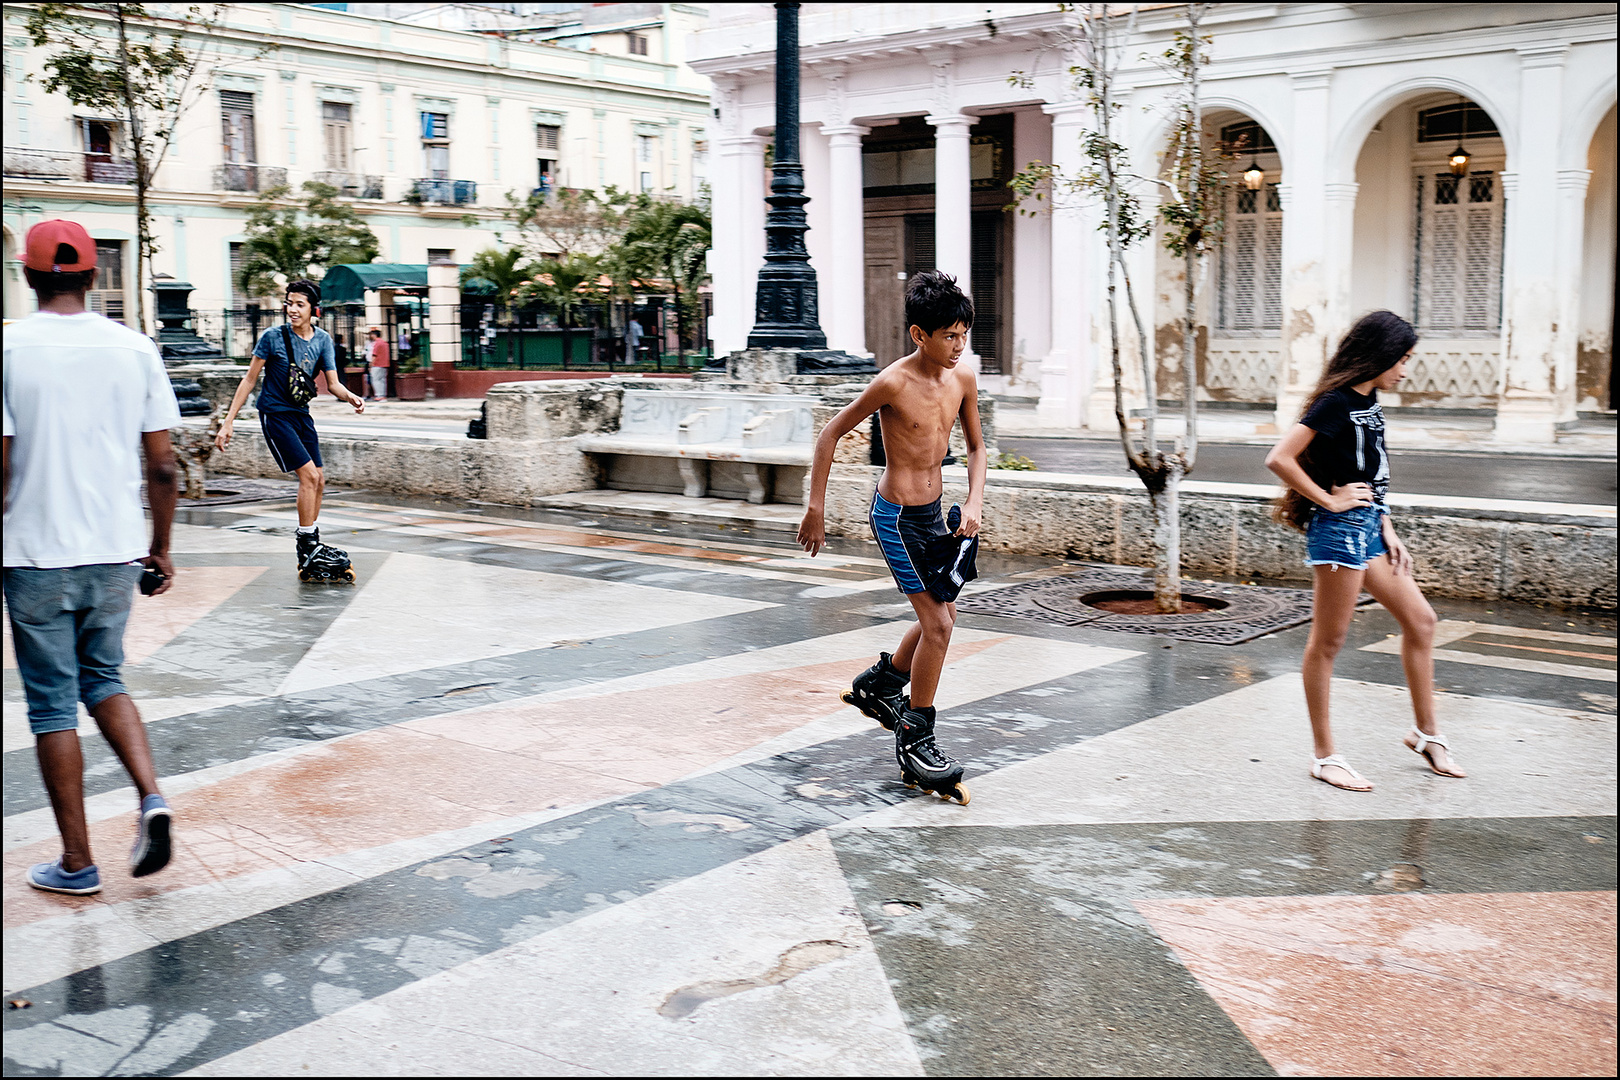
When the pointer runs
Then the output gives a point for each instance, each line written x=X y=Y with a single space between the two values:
x=321 y=562
x=877 y=692
x=922 y=765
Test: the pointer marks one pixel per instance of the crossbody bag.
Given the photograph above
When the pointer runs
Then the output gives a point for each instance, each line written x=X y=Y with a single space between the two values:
x=300 y=385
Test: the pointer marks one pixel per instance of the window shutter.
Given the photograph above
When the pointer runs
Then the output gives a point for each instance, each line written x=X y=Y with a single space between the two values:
x=546 y=136
x=1459 y=264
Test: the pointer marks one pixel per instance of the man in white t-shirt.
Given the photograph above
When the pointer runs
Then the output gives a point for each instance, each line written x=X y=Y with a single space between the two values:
x=83 y=397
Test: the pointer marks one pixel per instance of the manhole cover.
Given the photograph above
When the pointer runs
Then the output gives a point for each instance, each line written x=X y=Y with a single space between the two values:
x=1248 y=612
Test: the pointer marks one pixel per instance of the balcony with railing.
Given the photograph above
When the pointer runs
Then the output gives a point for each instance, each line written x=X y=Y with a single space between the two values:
x=248 y=177
x=352 y=184
x=28 y=161
x=443 y=192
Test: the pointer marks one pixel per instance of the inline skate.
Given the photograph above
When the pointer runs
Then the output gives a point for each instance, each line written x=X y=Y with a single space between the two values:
x=322 y=562
x=877 y=692
x=922 y=764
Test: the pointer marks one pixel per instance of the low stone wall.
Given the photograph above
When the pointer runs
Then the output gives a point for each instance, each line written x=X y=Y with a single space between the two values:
x=1471 y=548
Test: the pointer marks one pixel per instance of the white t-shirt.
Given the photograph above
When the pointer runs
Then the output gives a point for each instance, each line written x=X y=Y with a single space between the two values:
x=79 y=391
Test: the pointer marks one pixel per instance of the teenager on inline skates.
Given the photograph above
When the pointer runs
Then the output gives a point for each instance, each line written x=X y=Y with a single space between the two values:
x=292 y=356
x=919 y=398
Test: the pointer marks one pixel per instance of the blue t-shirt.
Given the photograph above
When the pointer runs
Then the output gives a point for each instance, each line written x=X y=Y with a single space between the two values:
x=316 y=354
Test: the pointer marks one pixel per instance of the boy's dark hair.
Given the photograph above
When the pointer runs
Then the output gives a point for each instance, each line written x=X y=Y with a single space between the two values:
x=308 y=288
x=48 y=286
x=933 y=302
x=374 y=333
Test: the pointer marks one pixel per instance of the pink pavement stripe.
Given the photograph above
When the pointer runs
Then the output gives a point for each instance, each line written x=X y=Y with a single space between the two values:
x=1484 y=984
x=447 y=772
x=157 y=620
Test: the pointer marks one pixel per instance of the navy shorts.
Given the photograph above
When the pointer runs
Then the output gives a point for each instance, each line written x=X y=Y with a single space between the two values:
x=291 y=438
x=68 y=628
x=921 y=548
x=1351 y=539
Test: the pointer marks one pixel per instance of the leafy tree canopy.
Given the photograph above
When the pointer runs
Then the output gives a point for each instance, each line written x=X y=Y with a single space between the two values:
x=287 y=239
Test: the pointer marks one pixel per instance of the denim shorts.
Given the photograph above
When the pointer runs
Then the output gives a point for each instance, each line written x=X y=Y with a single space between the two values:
x=291 y=438
x=68 y=629
x=1351 y=539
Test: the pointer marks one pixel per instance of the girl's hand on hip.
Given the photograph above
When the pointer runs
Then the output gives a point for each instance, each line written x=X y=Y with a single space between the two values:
x=1349 y=497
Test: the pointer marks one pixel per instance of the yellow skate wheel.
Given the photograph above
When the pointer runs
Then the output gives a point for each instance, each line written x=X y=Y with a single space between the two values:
x=349 y=575
x=958 y=794
x=847 y=697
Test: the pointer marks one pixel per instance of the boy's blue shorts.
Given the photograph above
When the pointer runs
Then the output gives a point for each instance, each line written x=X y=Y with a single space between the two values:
x=1351 y=539
x=68 y=629
x=292 y=440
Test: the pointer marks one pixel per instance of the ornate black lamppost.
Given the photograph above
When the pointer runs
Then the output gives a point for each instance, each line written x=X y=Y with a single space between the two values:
x=785 y=314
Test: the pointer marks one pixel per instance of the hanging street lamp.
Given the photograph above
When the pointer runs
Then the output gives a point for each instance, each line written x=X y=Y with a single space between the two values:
x=1458 y=158
x=1254 y=176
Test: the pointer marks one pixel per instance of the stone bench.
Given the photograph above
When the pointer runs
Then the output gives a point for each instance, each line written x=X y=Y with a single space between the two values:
x=698 y=443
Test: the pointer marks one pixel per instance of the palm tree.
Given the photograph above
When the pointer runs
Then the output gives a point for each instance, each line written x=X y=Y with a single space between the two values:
x=286 y=241
x=668 y=241
x=564 y=285
x=505 y=270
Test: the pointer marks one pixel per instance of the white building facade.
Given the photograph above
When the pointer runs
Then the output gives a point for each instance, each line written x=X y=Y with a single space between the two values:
x=912 y=126
x=425 y=130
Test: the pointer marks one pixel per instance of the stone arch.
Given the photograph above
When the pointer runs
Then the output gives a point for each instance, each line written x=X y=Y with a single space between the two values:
x=1350 y=138
x=1582 y=125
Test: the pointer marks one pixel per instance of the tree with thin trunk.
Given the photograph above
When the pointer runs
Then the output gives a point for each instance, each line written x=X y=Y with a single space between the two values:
x=1191 y=219
x=146 y=68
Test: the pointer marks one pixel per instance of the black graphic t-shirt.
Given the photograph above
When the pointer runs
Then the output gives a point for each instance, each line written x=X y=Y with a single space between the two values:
x=1349 y=447
x=314 y=356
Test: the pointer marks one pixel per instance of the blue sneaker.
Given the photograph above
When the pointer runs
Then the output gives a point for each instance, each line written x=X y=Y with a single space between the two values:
x=152 y=847
x=52 y=878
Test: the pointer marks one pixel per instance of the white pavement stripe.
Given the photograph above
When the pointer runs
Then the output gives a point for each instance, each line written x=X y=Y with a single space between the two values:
x=418 y=612
x=1200 y=763
x=761 y=967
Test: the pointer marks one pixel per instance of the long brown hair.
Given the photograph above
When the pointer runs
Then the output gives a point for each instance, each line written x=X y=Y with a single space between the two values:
x=1374 y=345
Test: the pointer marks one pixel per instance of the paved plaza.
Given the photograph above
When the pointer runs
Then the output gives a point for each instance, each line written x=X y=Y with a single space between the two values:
x=548 y=793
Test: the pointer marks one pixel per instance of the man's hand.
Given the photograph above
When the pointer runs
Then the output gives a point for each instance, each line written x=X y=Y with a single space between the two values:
x=971 y=513
x=813 y=531
x=162 y=565
x=359 y=403
x=222 y=439
x=1349 y=497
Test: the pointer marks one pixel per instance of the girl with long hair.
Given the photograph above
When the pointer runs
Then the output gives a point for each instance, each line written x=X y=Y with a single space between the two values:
x=1337 y=475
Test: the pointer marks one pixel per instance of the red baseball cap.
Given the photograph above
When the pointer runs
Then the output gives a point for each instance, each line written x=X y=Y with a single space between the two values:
x=47 y=236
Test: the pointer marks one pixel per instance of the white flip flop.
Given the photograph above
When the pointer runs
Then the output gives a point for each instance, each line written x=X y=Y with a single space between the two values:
x=1318 y=764
x=1423 y=742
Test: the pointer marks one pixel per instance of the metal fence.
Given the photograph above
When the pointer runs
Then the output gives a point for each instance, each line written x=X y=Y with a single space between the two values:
x=599 y=337
x=494 y=337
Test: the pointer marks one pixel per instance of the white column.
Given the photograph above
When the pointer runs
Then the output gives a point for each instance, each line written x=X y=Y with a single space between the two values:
x=1572 y=186
x=1031 y=263
x=1067 y=368
x=843 y=284
x=1305 y=250
x=1528 y=409
x=953 y=203
x=738 y=188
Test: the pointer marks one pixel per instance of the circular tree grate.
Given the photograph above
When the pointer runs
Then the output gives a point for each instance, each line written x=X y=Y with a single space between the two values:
x=1249 y=611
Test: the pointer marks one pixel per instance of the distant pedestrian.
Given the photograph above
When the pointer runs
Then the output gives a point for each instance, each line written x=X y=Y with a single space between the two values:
x=1337 y=472
x=377 y=363
x=633 y=334
x=292 y=356
x=84 y=397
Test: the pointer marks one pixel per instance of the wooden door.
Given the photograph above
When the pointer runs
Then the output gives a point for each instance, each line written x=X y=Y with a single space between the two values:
x=885 y=289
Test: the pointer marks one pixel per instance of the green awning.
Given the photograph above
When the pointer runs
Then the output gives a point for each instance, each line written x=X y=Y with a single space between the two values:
x=349 y=283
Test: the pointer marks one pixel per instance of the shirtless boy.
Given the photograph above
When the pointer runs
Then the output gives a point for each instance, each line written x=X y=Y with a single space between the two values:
x=918 y=398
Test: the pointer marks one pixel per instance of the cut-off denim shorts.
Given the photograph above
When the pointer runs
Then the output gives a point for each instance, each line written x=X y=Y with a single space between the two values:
x=68 y=629
x=1351 y=539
